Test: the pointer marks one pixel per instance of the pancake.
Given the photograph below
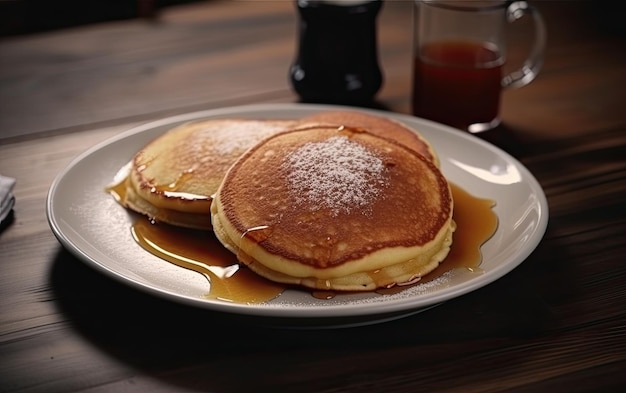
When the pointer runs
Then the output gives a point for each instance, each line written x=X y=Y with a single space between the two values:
x=172 y=179
x=379 y=125
x=335 y=209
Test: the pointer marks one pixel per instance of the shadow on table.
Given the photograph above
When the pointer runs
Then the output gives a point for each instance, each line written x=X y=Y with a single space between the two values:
x=192 y=347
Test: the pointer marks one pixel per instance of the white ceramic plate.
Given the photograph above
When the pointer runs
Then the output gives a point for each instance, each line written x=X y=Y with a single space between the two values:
x=91 y=225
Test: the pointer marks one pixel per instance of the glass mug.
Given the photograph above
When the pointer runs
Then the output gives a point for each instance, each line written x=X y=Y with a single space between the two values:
x=459 y=54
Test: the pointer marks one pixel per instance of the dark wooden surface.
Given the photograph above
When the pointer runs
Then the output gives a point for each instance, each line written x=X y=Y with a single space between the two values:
x=557 y=323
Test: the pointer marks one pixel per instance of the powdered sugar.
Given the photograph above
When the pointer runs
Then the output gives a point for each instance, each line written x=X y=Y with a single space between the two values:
x=337 y=173
x=236 y=136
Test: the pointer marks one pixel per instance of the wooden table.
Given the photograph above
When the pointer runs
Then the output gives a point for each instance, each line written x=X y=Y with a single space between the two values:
x=556 y=323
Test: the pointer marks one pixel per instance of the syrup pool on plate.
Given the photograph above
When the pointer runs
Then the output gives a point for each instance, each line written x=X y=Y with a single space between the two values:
x=231 y=281
x=202 y=252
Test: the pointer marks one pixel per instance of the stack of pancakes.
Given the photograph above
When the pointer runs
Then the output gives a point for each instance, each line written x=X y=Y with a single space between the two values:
x=173 y=177
x=339 y=200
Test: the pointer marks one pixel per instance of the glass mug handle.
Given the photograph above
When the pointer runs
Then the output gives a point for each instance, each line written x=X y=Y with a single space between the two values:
x=533 y=63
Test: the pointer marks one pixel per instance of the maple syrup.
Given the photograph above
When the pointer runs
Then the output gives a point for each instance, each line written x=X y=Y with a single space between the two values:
x=457 y=83
x=231 y=281
x=200 y=251
x=475 y=224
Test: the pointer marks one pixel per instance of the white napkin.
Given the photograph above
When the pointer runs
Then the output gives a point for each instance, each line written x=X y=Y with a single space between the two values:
x=7 y=199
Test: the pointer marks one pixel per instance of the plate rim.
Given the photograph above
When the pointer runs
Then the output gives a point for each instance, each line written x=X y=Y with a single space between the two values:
x=336 y=310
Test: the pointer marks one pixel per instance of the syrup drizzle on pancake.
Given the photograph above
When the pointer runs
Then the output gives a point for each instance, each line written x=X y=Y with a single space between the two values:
x=256 y=234
x=172 y=189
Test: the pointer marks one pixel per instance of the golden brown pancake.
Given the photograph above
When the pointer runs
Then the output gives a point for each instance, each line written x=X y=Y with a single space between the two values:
x=172 y=179
x=335 y=208
x=379 y=125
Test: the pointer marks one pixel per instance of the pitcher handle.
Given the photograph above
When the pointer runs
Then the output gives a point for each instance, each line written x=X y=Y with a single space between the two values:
x=531 y=66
